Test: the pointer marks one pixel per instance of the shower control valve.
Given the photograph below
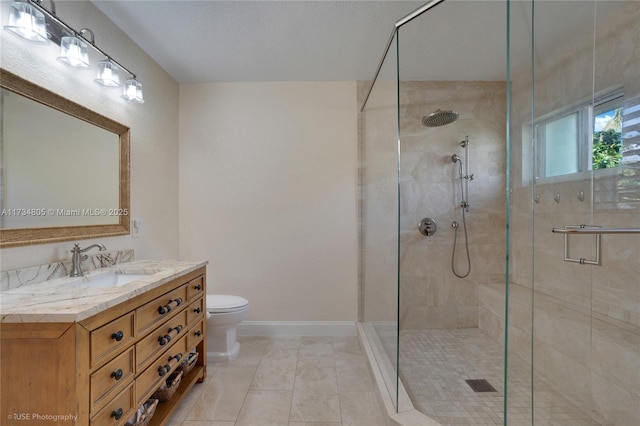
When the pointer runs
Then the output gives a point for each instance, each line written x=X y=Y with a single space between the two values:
x=427 y=227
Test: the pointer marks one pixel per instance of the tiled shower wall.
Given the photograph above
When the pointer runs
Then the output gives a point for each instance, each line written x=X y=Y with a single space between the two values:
x=431 y=296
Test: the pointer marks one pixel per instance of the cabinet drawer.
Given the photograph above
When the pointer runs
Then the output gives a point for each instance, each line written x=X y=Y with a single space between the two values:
x=159 y=309
x=112 y=336
x=160 y=339
x=150 y=379
x=195 y=288
x=195 y=311
x=117 y=411
x=196 y=334
x=111 y=378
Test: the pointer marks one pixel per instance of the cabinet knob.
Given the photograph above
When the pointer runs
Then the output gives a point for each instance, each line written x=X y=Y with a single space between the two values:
x=116 y=414
x=198 y=333
x=117 y=374
x=117 y=336
x=163 y=369
x=197 y=287
x=197 y=310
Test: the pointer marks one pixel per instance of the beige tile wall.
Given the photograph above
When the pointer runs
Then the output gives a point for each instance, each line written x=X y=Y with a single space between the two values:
x=431 y=296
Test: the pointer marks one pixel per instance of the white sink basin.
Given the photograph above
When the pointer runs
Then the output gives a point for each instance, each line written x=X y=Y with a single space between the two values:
x=115 y=279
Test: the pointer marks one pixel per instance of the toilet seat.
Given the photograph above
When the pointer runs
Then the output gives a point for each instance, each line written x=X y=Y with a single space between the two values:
x=220 y=303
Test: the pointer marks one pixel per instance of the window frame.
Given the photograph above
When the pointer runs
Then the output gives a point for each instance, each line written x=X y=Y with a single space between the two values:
x=587 y=111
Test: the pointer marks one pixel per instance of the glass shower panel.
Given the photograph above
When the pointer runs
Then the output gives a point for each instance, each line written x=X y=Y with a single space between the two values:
x=614 y=363
x=518 y=404
x=562 y=46
x=452 y=282
x=379 y=219
x=573 y=304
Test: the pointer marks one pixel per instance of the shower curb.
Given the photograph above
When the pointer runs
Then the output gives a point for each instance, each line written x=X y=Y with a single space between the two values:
x=408 y=416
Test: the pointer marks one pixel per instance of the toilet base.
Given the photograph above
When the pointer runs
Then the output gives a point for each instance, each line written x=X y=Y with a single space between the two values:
x=224 y=356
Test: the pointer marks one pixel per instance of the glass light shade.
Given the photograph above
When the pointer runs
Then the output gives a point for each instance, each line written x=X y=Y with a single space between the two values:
x=27 y=22
x=132 y=91
x=108 y=74
x=73 y=52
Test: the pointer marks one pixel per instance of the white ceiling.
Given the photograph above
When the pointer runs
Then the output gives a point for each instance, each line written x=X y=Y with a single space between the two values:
x=303 y=40
x=210 y=41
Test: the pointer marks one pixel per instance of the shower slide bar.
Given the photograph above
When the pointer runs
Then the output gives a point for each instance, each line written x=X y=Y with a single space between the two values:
x=589 y=230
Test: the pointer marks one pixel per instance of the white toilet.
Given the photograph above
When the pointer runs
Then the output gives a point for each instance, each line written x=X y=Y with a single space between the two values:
x=224 y=313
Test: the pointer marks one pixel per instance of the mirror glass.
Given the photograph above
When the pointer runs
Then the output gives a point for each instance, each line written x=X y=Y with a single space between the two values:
x=50 y=178
x=65 y=169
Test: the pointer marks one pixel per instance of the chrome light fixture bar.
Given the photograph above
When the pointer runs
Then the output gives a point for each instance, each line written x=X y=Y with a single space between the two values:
x=29 y=20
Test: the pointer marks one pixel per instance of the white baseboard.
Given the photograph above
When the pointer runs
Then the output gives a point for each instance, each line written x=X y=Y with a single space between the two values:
x=297 y=328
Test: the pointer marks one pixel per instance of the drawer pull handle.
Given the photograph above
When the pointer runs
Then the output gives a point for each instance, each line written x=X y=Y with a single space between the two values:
x=198 y=333
x=117 y=336
x=197 y=287
x=167 y=308
x=176 y=357
x=163 y=340
x=163 y=369
x=116 y=414
x=197 y=310
x=117 y=374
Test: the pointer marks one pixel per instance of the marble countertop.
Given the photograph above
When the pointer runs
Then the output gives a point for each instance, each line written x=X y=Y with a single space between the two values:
x=74 y=299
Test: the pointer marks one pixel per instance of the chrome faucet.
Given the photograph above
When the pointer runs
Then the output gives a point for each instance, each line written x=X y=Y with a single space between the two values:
x=78 y=257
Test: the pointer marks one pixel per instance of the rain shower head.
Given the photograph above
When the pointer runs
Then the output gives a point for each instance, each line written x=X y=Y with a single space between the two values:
x=439 y=118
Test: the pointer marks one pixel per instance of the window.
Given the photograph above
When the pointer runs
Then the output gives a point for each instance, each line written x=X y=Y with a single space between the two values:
x=606 y=145
x=583 y=138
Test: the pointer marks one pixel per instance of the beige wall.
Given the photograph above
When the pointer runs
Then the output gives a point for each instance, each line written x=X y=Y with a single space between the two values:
x=267 y=194
x=154 y=130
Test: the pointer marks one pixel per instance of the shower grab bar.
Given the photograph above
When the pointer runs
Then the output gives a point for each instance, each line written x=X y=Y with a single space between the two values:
x=583 y=229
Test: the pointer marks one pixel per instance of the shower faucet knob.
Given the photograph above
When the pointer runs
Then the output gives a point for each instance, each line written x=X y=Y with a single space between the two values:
x=427 y=227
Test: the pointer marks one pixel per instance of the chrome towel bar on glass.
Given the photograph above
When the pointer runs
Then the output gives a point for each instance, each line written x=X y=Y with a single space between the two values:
x=586 y=230
x=583 y=229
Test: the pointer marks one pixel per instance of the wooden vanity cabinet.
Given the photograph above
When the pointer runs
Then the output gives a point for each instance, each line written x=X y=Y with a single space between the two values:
x=103 y=368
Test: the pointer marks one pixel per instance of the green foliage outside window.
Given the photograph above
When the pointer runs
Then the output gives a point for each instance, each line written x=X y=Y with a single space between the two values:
x=606 y=149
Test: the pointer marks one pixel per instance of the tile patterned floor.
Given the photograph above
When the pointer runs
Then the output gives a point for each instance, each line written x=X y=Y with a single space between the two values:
x=312 y=381
x=434 y=365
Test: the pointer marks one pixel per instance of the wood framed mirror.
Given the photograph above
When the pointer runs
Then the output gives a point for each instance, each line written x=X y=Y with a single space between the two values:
x=65 y=168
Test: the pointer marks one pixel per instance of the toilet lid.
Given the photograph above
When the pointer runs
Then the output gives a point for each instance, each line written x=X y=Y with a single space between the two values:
x=224 y=302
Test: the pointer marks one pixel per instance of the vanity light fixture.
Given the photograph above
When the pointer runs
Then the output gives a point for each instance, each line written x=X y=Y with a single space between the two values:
x=29 y=20
x=108 y=74
x=73 y=51
x=132 y=91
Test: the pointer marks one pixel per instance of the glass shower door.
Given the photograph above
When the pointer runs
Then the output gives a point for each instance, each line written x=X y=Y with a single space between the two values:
x=574 y=295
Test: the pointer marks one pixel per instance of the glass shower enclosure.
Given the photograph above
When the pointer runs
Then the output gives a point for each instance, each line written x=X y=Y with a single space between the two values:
x=500 y=251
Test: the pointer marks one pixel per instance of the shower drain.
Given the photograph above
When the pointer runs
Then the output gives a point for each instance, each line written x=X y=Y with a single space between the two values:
x=480 y=385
